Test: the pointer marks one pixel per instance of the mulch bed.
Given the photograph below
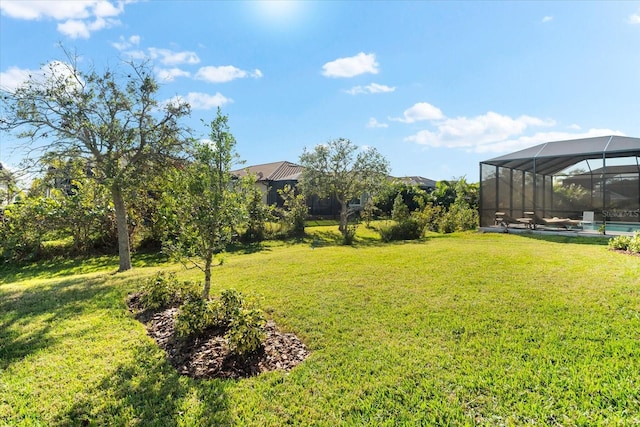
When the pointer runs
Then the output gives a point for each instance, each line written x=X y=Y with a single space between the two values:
x=208 y=356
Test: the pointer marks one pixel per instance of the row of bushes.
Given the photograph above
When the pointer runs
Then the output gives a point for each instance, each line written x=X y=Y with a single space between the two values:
x=407 y=225
x=626 y=243
x=241 y=321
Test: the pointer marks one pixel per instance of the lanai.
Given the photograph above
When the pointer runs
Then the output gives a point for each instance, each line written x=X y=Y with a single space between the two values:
x=564 y=179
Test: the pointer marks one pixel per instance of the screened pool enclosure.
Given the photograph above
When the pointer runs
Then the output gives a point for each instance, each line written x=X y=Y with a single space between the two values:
x=581 y=183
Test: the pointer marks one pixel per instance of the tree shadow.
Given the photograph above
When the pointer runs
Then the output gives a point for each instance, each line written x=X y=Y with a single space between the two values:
x=63 y=266
x=580 y=240
x=247 y=248
x=148 y=391
x=53 y=302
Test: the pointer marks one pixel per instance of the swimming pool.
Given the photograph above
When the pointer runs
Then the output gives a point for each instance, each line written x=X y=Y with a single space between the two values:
x=628 y=227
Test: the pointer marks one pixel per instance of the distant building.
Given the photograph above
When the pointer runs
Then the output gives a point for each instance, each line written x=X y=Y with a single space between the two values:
x=271 y=177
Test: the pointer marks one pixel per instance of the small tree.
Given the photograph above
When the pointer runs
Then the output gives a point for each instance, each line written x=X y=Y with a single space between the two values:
x=206 y=203
x=295 y=210
x=259 y=214
x=341 y=169
x=369 y=211
x=8 y=186
x=400 y=210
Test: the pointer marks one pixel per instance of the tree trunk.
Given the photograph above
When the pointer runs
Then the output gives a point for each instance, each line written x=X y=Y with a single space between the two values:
x=344 y=218
x=123 y=230
x=207 y=276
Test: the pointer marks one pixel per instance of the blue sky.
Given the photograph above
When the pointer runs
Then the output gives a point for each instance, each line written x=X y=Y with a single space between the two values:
x=436 y=87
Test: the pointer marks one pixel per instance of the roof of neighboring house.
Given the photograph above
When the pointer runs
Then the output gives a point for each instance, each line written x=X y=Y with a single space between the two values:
x=287 y=171
x=276 y=171
x=419 y=181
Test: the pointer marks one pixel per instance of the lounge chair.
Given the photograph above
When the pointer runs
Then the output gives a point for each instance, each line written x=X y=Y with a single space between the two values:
x=562 y=222
x=503 y=219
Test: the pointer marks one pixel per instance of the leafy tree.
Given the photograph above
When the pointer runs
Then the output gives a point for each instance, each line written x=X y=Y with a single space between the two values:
x=295 y=210
x=412 y=195
x=467 y=193
x=205 y=204
x=400 y=210
x=259 y=214
x=8 y=186
x=444 y=194
x=369 y=211
x=570 y=196
x=112 y=120
x=26 y=224
x=341 y=169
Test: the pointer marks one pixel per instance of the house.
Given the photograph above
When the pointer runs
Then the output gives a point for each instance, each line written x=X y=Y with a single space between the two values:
x=422 y=183
x=271 y=177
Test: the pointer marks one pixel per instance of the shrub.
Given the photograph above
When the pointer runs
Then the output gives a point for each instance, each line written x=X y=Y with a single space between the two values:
x=231 y=303
x=428 y=217
x=409 y=229
x=242 y=321
x=459 y=217
x=619 y=242
x=634 y=243
x=164 y=290
x=196 y=316
x=246 y=331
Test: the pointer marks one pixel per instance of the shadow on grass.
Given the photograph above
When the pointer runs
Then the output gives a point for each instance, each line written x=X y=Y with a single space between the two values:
x=148 y=391
x=26 y=317
x=247 y=248
x=142 y=390
x=61 y=267
x=578 y=240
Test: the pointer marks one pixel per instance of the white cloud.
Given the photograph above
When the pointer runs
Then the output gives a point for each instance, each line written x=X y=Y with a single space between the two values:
x=170 y=57
x=420 y=112
x=14 y=77
x=635 y=19
x=202 y=101
x=373 y=123
x=78 y=18
x=124 y=44
x=372 y=88
x=11 y=79
x=352 y=66
x=82 y=29
x=170 y=74
x=224 y=73
x=487 y=132
x=547 y=19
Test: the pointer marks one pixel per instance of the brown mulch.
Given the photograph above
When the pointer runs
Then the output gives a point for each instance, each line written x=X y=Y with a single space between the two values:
x=622 y=251
x=208 y=356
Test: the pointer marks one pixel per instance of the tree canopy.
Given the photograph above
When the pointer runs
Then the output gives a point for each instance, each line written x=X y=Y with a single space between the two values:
x=112 y=119
x=205 y=204
x=343 y=170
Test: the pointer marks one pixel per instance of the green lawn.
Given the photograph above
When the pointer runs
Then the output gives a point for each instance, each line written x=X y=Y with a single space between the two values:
x=465 y=329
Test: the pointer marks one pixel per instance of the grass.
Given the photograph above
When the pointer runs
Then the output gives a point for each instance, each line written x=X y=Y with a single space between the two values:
x=464 y=329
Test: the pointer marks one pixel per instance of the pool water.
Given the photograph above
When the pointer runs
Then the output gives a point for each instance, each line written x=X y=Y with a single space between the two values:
x=628 y=227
